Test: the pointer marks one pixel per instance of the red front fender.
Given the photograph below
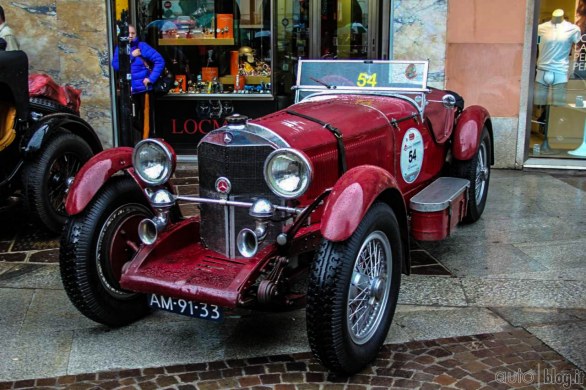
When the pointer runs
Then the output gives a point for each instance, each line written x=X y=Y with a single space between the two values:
x=94 y=174
x=468 y=132
x=351 y=198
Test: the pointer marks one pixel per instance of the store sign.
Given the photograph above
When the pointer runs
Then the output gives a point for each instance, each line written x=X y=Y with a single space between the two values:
x=580 y=55
x=192 y=126
x=184 y=123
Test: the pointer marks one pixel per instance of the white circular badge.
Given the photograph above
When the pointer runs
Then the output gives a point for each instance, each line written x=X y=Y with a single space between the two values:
x=411 y=155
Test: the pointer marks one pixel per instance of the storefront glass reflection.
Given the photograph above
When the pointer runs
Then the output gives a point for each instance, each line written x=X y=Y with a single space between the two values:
x=559 y=113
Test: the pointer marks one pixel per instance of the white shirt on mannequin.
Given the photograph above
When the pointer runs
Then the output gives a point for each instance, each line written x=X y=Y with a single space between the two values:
x=555 y=44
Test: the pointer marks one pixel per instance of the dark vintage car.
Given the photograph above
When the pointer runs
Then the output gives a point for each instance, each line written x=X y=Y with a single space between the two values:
x=313 y=205
x=43 y=144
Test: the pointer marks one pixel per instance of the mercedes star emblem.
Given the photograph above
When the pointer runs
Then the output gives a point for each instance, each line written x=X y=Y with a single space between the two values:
x=223 y=185
x=228 y=137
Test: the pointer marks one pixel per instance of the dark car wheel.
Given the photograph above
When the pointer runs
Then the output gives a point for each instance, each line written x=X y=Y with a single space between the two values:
x=353 y=291
x=477 y=171
x=45 y=178
x=95 y=245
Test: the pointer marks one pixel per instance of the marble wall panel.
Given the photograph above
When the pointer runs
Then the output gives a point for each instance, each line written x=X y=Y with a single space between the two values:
x=419 y=32
x=67 y=39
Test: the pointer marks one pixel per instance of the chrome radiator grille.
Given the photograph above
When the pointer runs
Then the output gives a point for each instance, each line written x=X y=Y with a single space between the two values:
x=242 y=165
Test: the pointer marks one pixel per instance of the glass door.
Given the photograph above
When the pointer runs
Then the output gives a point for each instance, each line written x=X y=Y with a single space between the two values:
x=327 y=29
x=346 y=27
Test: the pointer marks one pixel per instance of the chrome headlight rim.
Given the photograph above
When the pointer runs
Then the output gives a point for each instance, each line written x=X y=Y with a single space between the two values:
x=300 y=156
x=169 y=161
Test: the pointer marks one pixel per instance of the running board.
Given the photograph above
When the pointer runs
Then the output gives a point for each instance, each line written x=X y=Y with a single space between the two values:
x=438 y=208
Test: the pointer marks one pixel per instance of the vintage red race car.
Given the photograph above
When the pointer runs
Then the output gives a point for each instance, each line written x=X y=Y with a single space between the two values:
x=312 y=205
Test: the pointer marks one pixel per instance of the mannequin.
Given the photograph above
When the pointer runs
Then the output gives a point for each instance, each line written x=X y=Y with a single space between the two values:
x=556 y=39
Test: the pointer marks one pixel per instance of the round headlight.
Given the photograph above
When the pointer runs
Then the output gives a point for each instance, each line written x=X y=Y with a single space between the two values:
x=153 y=161
x=288 y=173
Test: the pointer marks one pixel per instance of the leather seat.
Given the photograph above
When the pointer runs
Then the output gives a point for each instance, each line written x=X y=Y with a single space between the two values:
x=7 y=118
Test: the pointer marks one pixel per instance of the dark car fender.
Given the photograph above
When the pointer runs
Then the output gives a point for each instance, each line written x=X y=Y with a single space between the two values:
x=352 y=196
x=468 y=132
x=94 y=174
x=49 y=124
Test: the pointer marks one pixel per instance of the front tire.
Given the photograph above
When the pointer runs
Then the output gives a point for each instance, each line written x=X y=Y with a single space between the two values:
x=45 y=178
x=95 y=245
x=353 y=292
x=477 y=171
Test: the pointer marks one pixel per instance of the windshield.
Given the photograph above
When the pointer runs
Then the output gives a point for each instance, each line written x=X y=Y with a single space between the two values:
x=363 y=74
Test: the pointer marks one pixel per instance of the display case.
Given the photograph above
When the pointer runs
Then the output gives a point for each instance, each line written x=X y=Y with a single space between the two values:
x=217 y=48
x=221 y=53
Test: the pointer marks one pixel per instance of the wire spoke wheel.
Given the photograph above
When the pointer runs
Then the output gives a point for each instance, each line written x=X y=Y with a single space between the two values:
x=353 y=292
x=370 y=287
x=477 y=172
x=61 y=170
x=482 y=170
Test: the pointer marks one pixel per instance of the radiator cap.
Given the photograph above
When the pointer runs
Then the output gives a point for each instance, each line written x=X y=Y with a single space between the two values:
x=236 y=120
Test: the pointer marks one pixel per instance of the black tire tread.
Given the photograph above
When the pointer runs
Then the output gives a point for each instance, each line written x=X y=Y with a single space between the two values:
x=78 y=248
x=49 y=106
x=467 y=170
x=325 y=300
x=33 y=177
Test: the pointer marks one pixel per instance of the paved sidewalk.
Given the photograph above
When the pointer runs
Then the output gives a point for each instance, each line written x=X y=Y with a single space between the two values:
x=517 y=277
x=488 y=361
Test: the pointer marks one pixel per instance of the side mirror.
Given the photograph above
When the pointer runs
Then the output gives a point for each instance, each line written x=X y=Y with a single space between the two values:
x=449 y=101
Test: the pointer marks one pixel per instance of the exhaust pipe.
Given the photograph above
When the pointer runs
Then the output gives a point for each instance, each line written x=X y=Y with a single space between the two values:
x=247 y=243
x=147 y=231
x=248 y=240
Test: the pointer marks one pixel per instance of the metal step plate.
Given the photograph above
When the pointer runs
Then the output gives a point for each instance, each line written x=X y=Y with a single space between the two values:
x=439 y=195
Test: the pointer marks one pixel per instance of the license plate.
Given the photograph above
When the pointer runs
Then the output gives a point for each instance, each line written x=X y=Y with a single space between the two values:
x=186 y=308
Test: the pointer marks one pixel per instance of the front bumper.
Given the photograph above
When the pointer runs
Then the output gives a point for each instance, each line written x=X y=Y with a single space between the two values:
x=178 y=265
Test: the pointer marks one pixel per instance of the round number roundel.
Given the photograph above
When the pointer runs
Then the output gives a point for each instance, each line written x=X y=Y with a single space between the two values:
x=411 y=155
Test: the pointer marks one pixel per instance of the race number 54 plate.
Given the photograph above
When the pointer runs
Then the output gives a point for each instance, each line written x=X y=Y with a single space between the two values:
x=186 y=308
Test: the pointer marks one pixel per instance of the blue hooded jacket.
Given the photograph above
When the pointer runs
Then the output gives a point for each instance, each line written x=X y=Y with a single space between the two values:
x=138 y=69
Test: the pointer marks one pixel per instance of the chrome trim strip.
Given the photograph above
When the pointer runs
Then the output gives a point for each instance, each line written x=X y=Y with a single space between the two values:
x=227 y=232
x=224 y=202
x=269 y=136
x=232 y=232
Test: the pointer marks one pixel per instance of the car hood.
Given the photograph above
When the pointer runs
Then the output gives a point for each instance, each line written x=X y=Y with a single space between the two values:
x=353 y=115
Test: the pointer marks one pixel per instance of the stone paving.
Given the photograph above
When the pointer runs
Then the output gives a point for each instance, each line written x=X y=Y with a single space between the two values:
x=500 y=304
x=514 y=359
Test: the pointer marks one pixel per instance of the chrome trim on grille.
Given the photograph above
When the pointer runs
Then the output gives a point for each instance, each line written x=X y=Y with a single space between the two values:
x=248 y=133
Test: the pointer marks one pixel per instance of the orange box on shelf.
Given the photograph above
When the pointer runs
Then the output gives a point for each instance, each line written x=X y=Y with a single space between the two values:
x=208 y=73
x=180 y=83
x=234 y=62
x=225 y=25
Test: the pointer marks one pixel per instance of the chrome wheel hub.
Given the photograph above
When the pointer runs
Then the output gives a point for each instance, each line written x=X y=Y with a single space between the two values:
x=370 y=287
x=482 y=173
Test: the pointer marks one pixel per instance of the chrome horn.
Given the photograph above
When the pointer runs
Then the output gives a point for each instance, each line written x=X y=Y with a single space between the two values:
x=248 y=240
x=149 y=229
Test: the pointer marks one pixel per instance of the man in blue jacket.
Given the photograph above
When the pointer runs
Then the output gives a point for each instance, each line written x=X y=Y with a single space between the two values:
x=146 y=66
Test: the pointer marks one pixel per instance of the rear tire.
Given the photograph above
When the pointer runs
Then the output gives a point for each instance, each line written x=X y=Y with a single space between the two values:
x=45 y=177
x=477 y=171
x=94 y=248
x=353 y=292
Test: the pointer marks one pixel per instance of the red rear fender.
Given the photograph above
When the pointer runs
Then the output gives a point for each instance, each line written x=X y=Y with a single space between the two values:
x=94 y=174
x=351 y=198
x=468 y=132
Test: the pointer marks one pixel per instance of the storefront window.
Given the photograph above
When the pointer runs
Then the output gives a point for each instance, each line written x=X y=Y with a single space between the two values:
x=212 y=47
x=559 y=111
